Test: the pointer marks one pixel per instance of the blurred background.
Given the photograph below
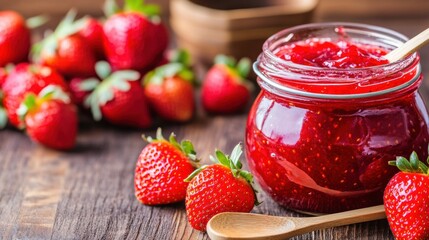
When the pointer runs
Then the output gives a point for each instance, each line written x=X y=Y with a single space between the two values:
x=327 y=10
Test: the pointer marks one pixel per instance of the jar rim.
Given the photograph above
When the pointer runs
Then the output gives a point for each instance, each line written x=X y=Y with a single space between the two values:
x=285 y=89
x=392 y=38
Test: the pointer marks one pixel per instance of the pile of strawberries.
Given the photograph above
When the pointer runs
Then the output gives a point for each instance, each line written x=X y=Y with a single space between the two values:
x=117 y=69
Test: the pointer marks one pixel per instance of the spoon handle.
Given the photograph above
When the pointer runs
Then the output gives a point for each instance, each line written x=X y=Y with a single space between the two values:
x=408 y=47
x=340 y=219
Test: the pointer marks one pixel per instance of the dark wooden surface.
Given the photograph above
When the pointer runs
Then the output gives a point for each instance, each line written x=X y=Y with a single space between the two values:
x=88 y=193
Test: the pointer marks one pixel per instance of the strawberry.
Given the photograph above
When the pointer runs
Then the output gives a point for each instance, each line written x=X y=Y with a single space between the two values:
x=119 y=98
x=169 y=89
x=222 y=187
x=92 y=32
x=134 y=38
x=161 y=168
x=15 y=38
x=66 y=50
x=225 y=88
x=406 y=199
x=50 y=119
x=26 y=78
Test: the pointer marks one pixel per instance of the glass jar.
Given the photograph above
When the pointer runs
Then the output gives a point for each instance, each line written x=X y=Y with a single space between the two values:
x=319 y=140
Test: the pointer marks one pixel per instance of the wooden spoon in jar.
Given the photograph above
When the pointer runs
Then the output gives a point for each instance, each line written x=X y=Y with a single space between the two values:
x=408 y=47
x=232 y=225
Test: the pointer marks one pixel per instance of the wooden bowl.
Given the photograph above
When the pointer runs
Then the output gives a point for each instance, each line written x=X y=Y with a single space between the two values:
x=234 y=27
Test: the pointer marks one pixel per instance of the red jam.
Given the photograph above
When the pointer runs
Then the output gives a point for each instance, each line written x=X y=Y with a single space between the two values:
x=325 y=53
x=319 y=154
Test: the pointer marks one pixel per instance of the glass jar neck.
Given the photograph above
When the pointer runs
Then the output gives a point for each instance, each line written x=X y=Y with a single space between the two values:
x=283 y=77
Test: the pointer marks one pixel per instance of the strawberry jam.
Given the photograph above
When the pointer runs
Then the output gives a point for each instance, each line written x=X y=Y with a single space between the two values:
x=331 y=114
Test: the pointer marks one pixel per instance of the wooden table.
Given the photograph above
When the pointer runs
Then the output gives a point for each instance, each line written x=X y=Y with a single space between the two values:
x=88 y=193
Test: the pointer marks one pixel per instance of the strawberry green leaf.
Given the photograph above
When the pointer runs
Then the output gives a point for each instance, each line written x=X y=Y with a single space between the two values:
x=110 y=7
x=180 y=56
x=88 y=84
x=414 y=161
x=103 y=69
x=37 y=21
x=3 y=118
x=243 y=67
x=148 y=10
x=403 y=164
x=92 y=102
x=104 y=97
x=222 y=158
x=424 y=169
x=54 y=92
x=158 y=75
x=235 y=156
x=27 y=104
x=225 y=60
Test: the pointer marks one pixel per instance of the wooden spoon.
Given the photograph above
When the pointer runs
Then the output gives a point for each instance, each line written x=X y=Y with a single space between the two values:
x=231 y=225
x=408 y=47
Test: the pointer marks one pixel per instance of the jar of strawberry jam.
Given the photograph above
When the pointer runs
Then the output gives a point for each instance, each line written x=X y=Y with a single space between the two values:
x=331 y=114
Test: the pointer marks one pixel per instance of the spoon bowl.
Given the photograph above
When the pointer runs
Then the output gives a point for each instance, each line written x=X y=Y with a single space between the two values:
x=232 y=225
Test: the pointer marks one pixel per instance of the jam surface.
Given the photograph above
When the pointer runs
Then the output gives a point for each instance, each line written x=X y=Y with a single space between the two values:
x=329 y=54
x=324 y=156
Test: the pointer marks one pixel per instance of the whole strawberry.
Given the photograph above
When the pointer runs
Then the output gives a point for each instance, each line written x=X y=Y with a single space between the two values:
x=169 y=89
x=66 y=50
x=406 y=199
x=161 y=169
x=15 y=38
x=134 y=38
x=223 y=187
x=225 y=88
x=118 y=98
x=27 y=78
x=50 y=118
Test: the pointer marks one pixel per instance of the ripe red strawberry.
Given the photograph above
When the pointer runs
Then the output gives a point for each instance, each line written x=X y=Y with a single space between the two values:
x=50 y=118
x=134 y=38
x=406 y=199
x=26 y=78
x=66 y=50
x=14 y=38
x=225 y=88
x=119 y=98
x=223 y=187
x=161 y=169
x=92 y=32
x=169 y=90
